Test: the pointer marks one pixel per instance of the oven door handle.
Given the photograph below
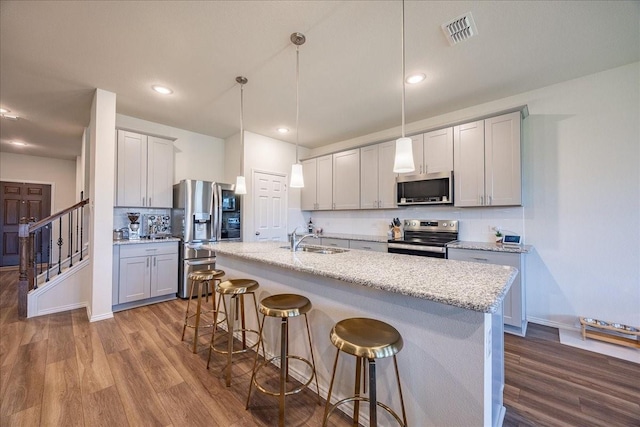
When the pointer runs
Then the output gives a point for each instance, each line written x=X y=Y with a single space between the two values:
x=203 y=261
x=420 y=248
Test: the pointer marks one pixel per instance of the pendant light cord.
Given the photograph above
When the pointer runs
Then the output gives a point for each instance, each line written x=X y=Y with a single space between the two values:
x=297 y=99
x=403 y=68
x=242 y=129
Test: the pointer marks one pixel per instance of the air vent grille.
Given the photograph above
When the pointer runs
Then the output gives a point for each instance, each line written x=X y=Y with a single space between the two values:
x=460 y=29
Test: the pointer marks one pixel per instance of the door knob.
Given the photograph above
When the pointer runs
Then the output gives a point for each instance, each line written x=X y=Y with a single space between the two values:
x=257 y=233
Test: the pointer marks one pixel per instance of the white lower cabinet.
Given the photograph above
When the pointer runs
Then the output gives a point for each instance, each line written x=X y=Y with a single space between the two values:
x=336 y=243
x=368 y=246
x=147 y=270
x=515 y=319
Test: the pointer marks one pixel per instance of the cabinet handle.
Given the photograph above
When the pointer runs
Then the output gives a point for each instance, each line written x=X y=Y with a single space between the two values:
x=366 y=247
x=479 y=259
x=147 y=262
x=481 y=201
x=149 y=201
x=154 y=261
x=489 y=200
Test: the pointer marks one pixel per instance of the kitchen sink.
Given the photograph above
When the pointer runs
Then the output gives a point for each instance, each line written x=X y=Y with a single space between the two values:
x=317 y=249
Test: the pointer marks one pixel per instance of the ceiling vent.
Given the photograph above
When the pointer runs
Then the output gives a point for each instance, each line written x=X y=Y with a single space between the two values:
x=460 y=29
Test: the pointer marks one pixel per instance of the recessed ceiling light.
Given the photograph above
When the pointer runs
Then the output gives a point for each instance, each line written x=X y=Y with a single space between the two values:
x=4 y=111
x=22 y=144
x=161 y=89
x=283 y=130
x=416 y=78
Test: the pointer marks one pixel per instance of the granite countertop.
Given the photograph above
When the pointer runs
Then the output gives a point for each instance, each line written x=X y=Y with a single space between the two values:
x=486 y=246
x=362 y=237
x=143 y=240
x=472 y=286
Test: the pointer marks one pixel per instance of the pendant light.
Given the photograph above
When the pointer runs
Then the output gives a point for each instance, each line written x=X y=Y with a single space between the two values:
x=241 y=185
x=403 y=162
x=297 y=179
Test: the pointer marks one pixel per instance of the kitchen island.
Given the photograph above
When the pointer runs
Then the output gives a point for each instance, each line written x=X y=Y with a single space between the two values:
x=448 y=312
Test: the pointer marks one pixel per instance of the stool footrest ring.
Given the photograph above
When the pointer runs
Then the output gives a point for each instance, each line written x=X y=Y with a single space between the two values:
x=244 y=350
x=290 y=392
x=362 y=399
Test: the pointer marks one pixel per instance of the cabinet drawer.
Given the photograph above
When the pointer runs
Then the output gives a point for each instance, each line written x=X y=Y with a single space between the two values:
x=339 y=243
x=487 y=257
x=368 y=246
x=145 y=249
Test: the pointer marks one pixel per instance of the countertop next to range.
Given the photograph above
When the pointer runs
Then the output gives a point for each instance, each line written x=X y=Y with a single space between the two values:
x=493 y=247
x=472 y=286
x=141 y=241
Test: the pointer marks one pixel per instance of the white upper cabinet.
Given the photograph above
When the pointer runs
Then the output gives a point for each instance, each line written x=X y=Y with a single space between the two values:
x=317 y=193
x=487 y=162
x=438 y=151
x=503 y=178
x=346 y=180
x=377 y=179
x=144 y=171
x=418 y=155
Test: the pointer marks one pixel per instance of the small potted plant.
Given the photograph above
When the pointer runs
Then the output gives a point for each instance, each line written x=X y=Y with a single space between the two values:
x=498 y=235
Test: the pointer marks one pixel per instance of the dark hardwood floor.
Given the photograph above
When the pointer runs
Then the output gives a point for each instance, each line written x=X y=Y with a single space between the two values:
x=61 y=370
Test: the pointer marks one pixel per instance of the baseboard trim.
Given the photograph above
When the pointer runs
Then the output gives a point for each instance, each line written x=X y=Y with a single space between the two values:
x=104 y=316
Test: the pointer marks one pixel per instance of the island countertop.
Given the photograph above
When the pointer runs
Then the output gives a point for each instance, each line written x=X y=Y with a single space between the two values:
x=472 y=286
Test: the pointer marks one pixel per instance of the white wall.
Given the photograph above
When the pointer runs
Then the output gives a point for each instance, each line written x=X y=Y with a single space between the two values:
x=197 y=156
x=581 y=186
x=101 y=192
x=264 y=154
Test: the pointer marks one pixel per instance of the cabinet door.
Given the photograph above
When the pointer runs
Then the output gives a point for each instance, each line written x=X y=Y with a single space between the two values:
x=134 y=278
x=132 y=169
x=386 y=177
x=418 y=155
x=324 y=182
x=308 y=193
x=468 y=164
x=513 y=304
x=346 y=180
x=438 y=151
x=159 y=172
x=368 y=246
x=503 y=181
x=164 y=274
x=369 y=177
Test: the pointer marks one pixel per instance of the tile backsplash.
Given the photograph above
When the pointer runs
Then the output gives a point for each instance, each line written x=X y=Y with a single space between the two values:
x=120 y=219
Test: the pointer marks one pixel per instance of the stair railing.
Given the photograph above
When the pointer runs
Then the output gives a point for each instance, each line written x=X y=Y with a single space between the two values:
x=36 y=244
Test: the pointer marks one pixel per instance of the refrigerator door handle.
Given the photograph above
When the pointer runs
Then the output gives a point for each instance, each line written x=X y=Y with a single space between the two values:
x=215 y=212
x=204 y=261
x=219 y=213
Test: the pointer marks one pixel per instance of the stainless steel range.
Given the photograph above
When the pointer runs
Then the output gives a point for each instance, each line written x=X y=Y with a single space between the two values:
x=425 y=237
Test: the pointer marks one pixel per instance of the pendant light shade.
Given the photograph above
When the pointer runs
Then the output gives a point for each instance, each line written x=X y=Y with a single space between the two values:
x=403 y=162
x=241 y=185
x=297 y=178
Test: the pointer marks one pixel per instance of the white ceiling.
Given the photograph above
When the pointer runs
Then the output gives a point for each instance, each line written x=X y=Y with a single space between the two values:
x=54 y=54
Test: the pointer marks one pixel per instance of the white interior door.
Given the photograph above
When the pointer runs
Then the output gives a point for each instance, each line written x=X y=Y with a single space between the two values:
x=270 y=207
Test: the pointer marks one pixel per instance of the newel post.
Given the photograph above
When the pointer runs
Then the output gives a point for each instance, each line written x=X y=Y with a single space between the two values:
x=23 y=280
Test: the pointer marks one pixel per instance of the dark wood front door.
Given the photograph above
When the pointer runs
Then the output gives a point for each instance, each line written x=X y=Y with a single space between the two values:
x=19 y=200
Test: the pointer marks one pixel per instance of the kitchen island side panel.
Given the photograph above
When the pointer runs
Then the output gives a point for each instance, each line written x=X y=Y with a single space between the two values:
x=446 y=362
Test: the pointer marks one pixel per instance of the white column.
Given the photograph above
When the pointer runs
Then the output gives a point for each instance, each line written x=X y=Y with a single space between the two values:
x=101 y=191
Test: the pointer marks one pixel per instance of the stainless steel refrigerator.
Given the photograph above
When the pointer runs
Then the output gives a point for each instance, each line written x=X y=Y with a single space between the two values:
x=202 y=213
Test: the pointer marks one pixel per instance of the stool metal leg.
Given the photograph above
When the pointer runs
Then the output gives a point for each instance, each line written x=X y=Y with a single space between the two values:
x=333 y=378
x=230 y=322
x=186 y=316
x=215 y=326
x=373 y=398
x=356 y=392
x=284 y=367
x=198 y=310
x=255 y=361
x=404 y=414
x=313 y=360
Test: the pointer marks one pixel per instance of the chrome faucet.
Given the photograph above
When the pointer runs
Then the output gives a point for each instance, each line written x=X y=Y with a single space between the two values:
x=294 y=243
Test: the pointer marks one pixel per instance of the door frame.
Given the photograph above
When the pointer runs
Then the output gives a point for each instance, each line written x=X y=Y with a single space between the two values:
x=251 y=224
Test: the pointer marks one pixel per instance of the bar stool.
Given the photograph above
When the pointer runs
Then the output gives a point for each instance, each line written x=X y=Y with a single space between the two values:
x=200 y=280
x=367 y=339
x=236 y=289
x=284 y=306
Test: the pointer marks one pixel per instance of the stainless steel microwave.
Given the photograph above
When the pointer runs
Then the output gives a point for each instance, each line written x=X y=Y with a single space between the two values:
x=425 y=189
